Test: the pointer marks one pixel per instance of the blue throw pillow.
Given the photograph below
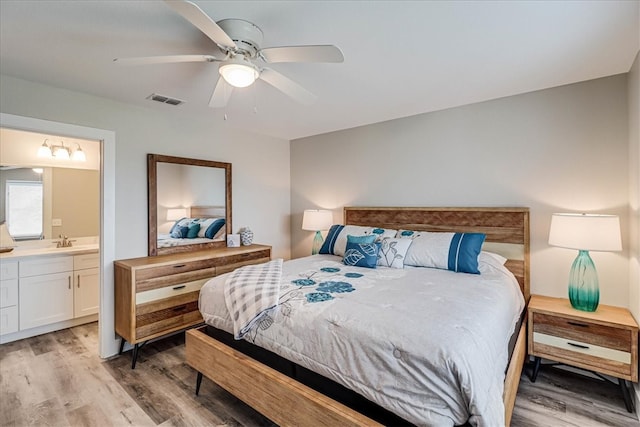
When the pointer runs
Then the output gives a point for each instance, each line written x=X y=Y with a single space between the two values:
x=361 y=254
x=464 y=251
x=214 y=228
x=330 y=241
x=192 y=231
x=361 y=239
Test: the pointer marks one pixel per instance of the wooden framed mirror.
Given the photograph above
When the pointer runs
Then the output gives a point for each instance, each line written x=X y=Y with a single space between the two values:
x=184 y=192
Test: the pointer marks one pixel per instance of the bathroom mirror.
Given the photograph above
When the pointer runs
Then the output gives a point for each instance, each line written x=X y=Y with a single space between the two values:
x=184 y=192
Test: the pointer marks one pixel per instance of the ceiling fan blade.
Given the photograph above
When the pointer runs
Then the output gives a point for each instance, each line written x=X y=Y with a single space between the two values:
x=167 y=59
x=192 y=13
x=287 y=86
x=319 y=53
x=221 y=94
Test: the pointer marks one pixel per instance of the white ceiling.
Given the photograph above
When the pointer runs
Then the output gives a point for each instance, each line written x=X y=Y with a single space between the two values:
x=401 y=57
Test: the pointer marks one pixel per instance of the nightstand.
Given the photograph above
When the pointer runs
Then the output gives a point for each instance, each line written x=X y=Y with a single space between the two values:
x=604 y=341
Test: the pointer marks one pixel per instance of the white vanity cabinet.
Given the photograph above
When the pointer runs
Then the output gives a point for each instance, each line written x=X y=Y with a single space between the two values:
x=8 y=297
x=40 y=294
x=86 y=284
x=46 y=291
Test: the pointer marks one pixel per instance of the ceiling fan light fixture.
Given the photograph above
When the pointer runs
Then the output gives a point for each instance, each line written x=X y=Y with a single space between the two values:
x=238 y=74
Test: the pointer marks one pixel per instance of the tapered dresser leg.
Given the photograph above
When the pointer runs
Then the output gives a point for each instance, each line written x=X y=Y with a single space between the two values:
x=198 y=382
x=134 y=356
x=626 y=395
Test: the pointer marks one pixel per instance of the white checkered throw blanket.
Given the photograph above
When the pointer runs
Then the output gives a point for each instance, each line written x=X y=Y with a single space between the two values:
x=250 y=292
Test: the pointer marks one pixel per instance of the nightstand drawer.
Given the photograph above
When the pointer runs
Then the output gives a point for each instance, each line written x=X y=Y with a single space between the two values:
x=581 y=347
x=585 y=332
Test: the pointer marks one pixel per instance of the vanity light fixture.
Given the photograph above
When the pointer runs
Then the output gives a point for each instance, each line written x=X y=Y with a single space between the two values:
x=61 y=152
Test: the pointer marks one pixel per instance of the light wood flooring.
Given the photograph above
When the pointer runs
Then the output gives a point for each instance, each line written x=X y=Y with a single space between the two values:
x=57 y=379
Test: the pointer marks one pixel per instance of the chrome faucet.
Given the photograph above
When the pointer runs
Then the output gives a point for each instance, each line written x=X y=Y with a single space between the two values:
x=64 y=243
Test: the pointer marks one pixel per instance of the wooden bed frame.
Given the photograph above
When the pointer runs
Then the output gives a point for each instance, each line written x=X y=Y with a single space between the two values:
x=288 y=402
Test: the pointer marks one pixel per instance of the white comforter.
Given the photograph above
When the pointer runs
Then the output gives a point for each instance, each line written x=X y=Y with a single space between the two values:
x=429 y=345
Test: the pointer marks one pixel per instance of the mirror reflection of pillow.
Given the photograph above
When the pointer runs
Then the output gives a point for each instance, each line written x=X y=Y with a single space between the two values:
x=176 y=225
x=180 y=232
x=215 y=226
x=192 y=231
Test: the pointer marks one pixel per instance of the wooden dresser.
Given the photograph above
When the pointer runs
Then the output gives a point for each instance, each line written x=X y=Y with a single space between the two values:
x=156 y=296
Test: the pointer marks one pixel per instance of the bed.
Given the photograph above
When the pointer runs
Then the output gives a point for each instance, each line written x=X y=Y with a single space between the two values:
x=287 y=401
x=197 y=213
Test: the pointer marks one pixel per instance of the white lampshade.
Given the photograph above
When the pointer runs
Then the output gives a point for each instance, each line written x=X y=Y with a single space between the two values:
x=317 y=220
x=589 y=232
x=239 y=74
x=176 y=214
x=44 y=150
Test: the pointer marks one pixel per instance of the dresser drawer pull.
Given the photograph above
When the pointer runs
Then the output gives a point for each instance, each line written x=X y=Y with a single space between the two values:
x=180 y=308
x=578 y=345
x=582 y=325
x=175 y=288
x=179 y=265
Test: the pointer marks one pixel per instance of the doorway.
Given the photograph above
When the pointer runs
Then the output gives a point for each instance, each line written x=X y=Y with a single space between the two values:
x=108 y=345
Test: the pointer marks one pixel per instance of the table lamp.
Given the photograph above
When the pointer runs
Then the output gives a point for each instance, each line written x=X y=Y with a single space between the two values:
x=585 y=232
x=316 y=220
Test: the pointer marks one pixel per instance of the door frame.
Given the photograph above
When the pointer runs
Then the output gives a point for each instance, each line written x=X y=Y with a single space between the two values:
x=108 y=343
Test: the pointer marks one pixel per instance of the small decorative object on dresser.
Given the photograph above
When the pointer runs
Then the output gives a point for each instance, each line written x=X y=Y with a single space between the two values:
x=605 y=341
x=233 y=240
x=156 y=296
x=246 y=236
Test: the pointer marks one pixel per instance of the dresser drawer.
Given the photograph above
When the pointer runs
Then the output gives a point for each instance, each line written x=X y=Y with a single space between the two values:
x=167 y=315
x=585 y=332
x=155 y=272
x=169 y=291
x=230 y=267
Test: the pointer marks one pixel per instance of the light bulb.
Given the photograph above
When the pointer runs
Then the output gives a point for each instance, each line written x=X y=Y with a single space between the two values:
x=238 y=75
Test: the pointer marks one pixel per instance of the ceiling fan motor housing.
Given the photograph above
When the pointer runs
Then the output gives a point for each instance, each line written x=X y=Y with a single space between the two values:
x=246 y=35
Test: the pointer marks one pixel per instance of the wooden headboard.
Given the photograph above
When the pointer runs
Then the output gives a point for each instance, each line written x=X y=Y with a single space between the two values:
x=207 y=212
x=507 y=229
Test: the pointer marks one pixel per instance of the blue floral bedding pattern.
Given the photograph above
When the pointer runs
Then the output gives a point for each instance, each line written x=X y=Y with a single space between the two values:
x=319 y=285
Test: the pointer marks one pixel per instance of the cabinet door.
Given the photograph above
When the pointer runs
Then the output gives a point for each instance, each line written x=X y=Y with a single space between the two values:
x=45 y=299
x=86 y=290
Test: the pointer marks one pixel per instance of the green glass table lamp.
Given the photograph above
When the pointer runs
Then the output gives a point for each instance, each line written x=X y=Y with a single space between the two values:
x=317 y=220
x=585 y=232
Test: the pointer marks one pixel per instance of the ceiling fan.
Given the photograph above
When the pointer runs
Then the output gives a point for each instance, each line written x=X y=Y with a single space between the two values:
x=239 y=43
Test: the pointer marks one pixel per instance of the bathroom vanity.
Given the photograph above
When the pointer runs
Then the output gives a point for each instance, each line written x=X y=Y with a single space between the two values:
x=47 y=289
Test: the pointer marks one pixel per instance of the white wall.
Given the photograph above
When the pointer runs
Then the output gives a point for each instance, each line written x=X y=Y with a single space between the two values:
x=260 y=163
x=562 y=149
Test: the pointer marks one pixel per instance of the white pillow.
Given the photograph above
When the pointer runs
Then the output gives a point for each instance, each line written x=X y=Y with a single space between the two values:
x=336 y=240
x=393 y=251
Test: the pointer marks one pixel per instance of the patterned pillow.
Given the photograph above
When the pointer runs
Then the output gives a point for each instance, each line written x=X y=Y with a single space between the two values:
x=361 y=254
x=336 y=241
x=448 y=251
x=393 y=251
x=179 y=223
x=180 y=232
